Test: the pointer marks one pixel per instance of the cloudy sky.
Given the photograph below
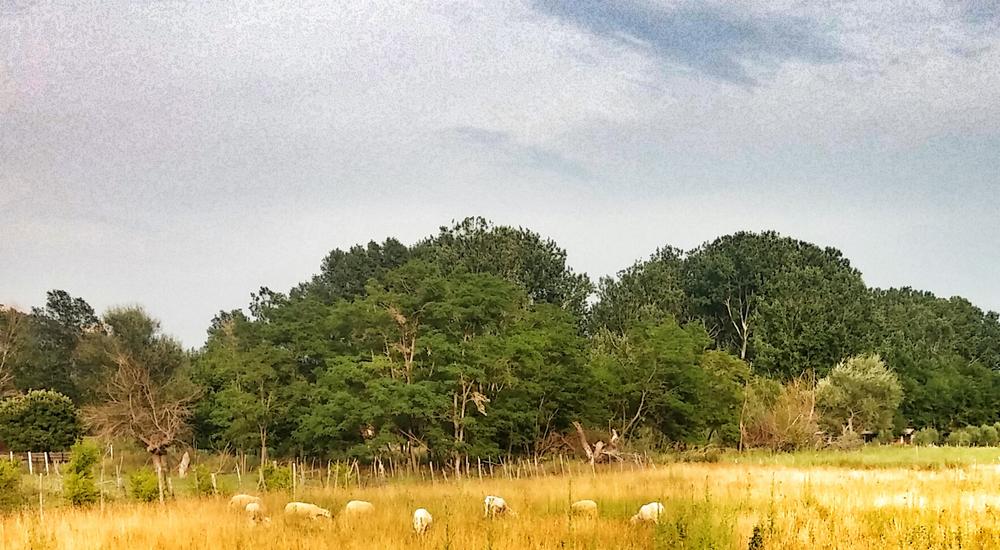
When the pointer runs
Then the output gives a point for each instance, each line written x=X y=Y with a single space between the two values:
x=180 y=154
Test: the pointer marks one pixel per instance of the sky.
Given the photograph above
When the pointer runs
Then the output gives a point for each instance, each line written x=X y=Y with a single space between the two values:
x=180 y=154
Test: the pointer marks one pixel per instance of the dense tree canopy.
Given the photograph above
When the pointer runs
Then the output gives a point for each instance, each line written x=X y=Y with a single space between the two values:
x=480 y=340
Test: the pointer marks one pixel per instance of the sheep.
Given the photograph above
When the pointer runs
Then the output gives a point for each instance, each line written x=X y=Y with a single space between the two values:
x=255 y=513
x=648 y=513
x=422 y=521
x=306 y=510
x=584 y=507
x=494 y=506
x=239 y=502
x=359 y=507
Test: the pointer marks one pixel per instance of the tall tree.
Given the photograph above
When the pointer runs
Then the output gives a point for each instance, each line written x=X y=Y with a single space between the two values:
x=54 y=332
x=658 y=376
x=12 y=325
x=518 y=255
x=148 y=395
x=344 y=274
x=649 y=290
x=785 y=305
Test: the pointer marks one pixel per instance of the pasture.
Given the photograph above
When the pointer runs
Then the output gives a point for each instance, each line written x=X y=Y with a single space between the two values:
x=758 y=503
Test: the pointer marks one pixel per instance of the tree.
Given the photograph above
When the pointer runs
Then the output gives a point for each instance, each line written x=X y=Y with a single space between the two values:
x=40 y=420
x=650 y=290
x=344 y=274
x=658 y=376
x=786 y=306
x=79 y=483
x=249 y=385
x=148 y=395
x=11 y=342
x=518 y=255
x=947 y=355
x=48 y=359
x=859 y=394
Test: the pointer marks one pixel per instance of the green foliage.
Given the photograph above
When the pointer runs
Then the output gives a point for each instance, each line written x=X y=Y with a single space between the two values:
x=80 y=479
x=646 y=291
x=40 y=420
x=143 y=485
x=517 y=255
x=47 y=358
x=926 y=436
x=10 y=484
x=275 y=478
x=788 y=306
x=147 y=393
x=859 y=394
x=201 y=480
x=661 y=376
x=960 y=438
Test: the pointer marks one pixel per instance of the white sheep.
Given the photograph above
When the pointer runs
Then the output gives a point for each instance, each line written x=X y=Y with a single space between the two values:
x=359 y=507
x=256 y=513
x=239 y=502
x=648 y=513
x=494 y=506
x=422 y=521
x=306 y=510
x=584 y=507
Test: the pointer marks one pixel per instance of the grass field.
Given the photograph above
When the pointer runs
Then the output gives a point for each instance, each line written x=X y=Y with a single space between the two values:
x=791 y=500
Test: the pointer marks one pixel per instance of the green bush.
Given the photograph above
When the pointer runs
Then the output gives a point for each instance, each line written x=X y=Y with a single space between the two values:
x=40 y=420
x=79 y=483
x=926 y=436
x=10 y=484
x=276 y=478
x=143 y=485
x=201 y=478
x=959 y=438
x=988 y=436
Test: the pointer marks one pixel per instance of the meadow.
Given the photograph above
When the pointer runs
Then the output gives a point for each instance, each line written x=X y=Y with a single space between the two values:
x=757 y=503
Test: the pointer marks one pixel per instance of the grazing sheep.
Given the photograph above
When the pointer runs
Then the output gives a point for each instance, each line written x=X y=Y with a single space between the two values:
x=239 y=502
x=359 y=507
x=494 y=506
x=306 y=510
x=255 y=513
x=648 y=513
x=584 y=507
x=422 y=521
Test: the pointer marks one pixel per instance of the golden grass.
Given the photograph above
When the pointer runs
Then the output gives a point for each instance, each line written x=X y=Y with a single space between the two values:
x=708 y=506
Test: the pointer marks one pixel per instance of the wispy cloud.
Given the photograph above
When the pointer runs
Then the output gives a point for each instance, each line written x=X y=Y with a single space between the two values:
x=721 y=42
x=502 y=146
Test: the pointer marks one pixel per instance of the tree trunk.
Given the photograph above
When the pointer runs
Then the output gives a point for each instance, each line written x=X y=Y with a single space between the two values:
x=158 y=466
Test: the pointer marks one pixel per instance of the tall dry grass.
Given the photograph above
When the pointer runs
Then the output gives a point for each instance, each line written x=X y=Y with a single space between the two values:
x=708 y=506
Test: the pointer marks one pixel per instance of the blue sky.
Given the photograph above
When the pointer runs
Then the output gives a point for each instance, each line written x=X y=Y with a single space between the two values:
x=181 y=154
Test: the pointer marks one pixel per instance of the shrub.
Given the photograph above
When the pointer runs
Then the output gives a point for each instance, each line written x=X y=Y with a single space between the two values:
x=926 y=436
x=79 y=483
x=10 y=484
x=39 y=420
x=974 y=435
x=276 y=478
x=201 y=479
x=848 y=441
x=989 y=436
x=143 y=485
x=959 y=438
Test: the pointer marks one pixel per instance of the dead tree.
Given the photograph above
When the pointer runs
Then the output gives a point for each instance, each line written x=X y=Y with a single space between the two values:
x=601 y=451
x=146 y=398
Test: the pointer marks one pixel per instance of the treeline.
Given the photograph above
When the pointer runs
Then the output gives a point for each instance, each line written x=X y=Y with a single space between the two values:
x=482 y=341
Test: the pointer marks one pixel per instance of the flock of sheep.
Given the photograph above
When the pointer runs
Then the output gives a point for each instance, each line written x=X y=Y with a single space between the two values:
x=493 y=506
